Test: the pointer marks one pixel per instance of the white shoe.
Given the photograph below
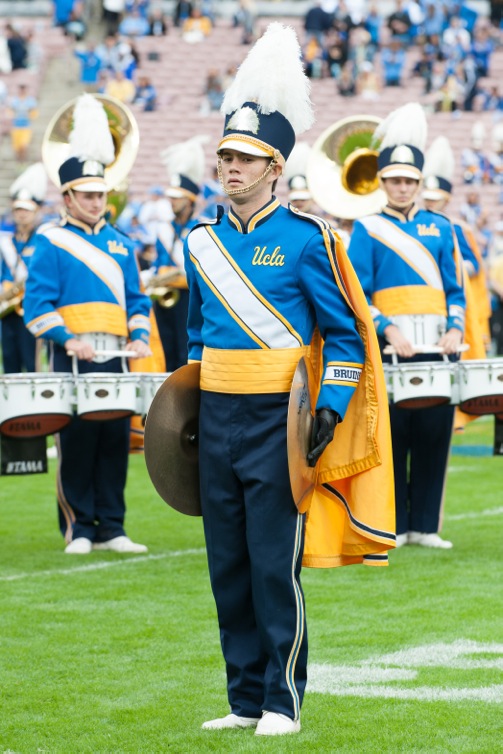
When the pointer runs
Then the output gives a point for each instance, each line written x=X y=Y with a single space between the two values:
x=428 y=540
x=275 y=724
x=52 y=452
x=230 y=721
x=120 y=544
x=401 y=540
x=79 y=546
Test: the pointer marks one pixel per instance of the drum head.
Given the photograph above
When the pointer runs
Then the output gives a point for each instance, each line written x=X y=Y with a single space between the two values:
x=300 y=422
x=171 y=450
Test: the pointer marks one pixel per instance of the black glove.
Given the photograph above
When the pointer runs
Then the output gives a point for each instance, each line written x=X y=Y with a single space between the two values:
x=324 y=424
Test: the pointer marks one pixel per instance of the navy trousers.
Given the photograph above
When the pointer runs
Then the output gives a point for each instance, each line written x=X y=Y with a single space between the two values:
x=92 y=468
x=18 y=345
x=172 y=326
x=421 y=440
x=254 y=539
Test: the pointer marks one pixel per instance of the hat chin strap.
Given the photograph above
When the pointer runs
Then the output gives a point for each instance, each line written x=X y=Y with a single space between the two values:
x=235 y=192
x=91 y=217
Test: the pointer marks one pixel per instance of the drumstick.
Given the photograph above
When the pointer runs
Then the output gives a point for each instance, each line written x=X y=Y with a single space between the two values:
x=389 y=349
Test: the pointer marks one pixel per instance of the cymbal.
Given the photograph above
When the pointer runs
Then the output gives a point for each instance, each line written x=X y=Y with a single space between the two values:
x=300 y=422
x=171 y=447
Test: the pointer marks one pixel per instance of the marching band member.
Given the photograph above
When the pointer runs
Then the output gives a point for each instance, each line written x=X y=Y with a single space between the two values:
x=83 y=295
x=185 y=163
x=408 y=263
x=19 y=347
x=439 y=167
x=299 y=195
x=261 y=279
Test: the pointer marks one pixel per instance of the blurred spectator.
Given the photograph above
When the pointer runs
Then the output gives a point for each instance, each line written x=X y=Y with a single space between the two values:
x=434 y=21
x=213 y=92
x=367 y=85
x=399 y=23
x=449 y=97
x=120 y=87
x=22 y=110
x=228 y=76
x=62 y=11
x=495 y=157
x=146 y=95
x=424 y=68
x=471 y=210
x=313 y=58
x=5 y=61
x=346 y=85
x=76 y=26
x=108 y=53
x=491 y=99
x=90 y=64
x=373 y=24
x=336 y=52
x=112 y=14
x=128 y=58
x=17 y=47
x=158 y=23
x=316 y=23
x=342 y=20
x=246 y=17
x=393 y=62
x=212 y=195
x=474 y=160
x=481 y=49
x=34 y=53
x=196 y=27
x=456 y=40
x=182 y=11
x=359 y=46
x=134 y=24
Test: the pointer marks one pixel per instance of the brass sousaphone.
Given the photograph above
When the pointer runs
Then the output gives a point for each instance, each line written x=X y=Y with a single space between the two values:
x=342 y=169
x=126 y=139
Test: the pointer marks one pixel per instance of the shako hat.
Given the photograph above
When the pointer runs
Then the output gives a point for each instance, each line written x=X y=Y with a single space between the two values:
x=185 y=163
x=403 y=139
x=268 y=102
x=91 y=148
x=295 y=172
x=29 y=189
x=438 y=171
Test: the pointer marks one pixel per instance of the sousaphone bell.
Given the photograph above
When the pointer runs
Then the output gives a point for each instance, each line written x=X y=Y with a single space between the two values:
x=342 y=169
x=126 y=138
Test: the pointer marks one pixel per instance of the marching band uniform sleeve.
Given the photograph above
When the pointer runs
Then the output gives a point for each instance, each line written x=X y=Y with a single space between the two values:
x=195 y=318
x=343 y=351
x=451 y=269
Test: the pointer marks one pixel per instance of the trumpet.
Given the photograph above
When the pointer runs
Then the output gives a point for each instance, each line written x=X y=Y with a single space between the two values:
x=11 y=299
x=161 y=288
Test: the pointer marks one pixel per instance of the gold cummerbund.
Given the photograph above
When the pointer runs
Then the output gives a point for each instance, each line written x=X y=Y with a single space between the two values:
x=249 y=371
x=410 y=299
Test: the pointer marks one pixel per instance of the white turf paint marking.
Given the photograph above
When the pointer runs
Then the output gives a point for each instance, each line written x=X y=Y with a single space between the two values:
x=463 y=516
x=369 y=677
x=102 y=564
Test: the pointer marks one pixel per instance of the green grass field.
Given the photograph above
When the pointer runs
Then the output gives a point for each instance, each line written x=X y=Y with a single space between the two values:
x=108 y=654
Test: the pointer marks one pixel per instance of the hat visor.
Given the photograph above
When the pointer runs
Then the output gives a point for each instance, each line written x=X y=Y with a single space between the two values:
x=300 y=195
x=25 y=204
x=401 y=171
x=246 y=147
x=435 y=195
x=85 y=185
x=178 y=193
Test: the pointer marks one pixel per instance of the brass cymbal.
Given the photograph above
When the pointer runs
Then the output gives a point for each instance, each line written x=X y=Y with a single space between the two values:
x=171 y=447
x=300 y=422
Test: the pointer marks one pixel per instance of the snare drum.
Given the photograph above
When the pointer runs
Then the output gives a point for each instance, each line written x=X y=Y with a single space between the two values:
x=102 y=396
x=150 y=384
x=423 y=384
x=481 y=386
x=35 y=404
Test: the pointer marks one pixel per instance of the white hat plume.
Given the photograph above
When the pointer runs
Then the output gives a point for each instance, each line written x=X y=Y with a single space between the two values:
x=186 y=158
x=32 y=182
x=297 y=162
x=405 y=125
x=439 y=159
x=272 y=75
x=90 y=138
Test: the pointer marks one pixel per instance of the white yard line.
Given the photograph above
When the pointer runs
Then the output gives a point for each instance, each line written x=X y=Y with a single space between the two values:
x=102 y=564
x=463 y=516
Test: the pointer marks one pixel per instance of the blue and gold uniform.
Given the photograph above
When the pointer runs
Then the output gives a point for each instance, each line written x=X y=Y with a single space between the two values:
x=84 y=280
x=19 y=348
x=411 y=265
x=257 y=292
